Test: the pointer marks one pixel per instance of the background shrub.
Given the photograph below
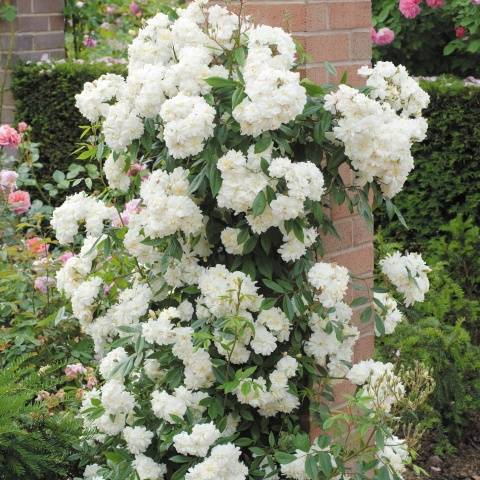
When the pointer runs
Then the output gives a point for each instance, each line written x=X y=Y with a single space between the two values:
x=427 y=44
x=447 y=165
x=45 y=99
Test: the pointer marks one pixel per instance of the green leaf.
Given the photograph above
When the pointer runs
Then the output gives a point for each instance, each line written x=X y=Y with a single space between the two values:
x=325 y=462
x=359 y=301
x=219 y=82
x=311 y=468
x=273 y=285
x=379 y=325
x=330 y=68
x=238 y=96
x=180 y=459
x=263 y=143
x=268 y=303
x=8 y=13
x=259 y=204
x=239 y=55
x=284 y=457
x=312 y=89
x=249 y=245
x=366 y=314
x=379 y=439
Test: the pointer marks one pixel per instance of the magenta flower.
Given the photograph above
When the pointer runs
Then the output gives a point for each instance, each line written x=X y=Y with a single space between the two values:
x=19 y=201
x=135 y=9
x=42 y=284
x=460 y=32
x=89 y=41
x=74 y=370
x=409 y=8
x=384 y=36
x=9 y=137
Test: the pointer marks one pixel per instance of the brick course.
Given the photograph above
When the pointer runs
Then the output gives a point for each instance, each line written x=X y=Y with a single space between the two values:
x=338 y=32
x=39 y=30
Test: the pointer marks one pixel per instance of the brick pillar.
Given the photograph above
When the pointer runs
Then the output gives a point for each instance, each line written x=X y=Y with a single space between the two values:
x=39 y=30
x=337 y=32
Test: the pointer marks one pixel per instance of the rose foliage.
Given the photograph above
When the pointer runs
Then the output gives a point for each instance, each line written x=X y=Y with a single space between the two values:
x=199 y=272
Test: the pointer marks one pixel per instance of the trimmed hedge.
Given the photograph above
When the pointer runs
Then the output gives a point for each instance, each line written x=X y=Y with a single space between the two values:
x=45 y=99
x=446 y=178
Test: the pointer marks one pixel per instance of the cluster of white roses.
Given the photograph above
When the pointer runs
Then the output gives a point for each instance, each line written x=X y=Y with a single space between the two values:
x=243 y=179
x=392 y=84
x=409 y=275
x=179 y=303
x=376 y=127
x=379 y=382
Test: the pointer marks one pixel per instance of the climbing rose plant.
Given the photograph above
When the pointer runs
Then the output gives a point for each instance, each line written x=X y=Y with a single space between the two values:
x=200 y=277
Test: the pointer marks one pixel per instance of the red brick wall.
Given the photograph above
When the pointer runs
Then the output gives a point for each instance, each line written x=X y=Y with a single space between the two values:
x=39 y=30
x=338 y=32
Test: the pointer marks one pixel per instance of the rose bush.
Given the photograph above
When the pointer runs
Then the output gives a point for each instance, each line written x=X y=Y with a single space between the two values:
x=452 y=29
x=199 y=273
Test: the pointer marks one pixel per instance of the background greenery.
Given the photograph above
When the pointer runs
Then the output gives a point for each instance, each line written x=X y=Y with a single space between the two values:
x=427 y=44
x=45 y=99
x=441 y=205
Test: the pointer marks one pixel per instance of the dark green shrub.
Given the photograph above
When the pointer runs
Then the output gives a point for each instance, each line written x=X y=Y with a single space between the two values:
x=434 y=334
x=447 y=166
x=45 y=98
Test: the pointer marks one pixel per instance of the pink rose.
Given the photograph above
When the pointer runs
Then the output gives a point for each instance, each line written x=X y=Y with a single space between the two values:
x=19 y=201
x=9 y=137
x=384 y=36
x=409 y=8
x=22 y=127
x=74 y=370
x=460 y=32
x=37 y=246
x=42 y=284
x=135 y=9
x=8 y=180
x=435 y=3
x=64 y=257
x=131 y=207
x=91 y=382
x=89 y=41
x=135 y=168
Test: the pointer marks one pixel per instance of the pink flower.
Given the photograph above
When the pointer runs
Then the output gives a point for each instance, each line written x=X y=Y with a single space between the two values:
x=19 y=201
x=74 y=370
x=409 y=8
x=37 y=246
x=460 y=32
x=9 y=137
x=131 y=207
x=135 y=168
x=111 y=9
x=22 y=127
x=435 y=3
x=476 y=2
x=135 y=9
x=42 y=284
x=384 y=36
x=8 y=180
x=91 y=382
x=89 y=41
x=65 y=256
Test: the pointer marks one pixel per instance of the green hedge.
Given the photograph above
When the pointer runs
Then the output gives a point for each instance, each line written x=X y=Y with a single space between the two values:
x=45 y=98
x=446 y=177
